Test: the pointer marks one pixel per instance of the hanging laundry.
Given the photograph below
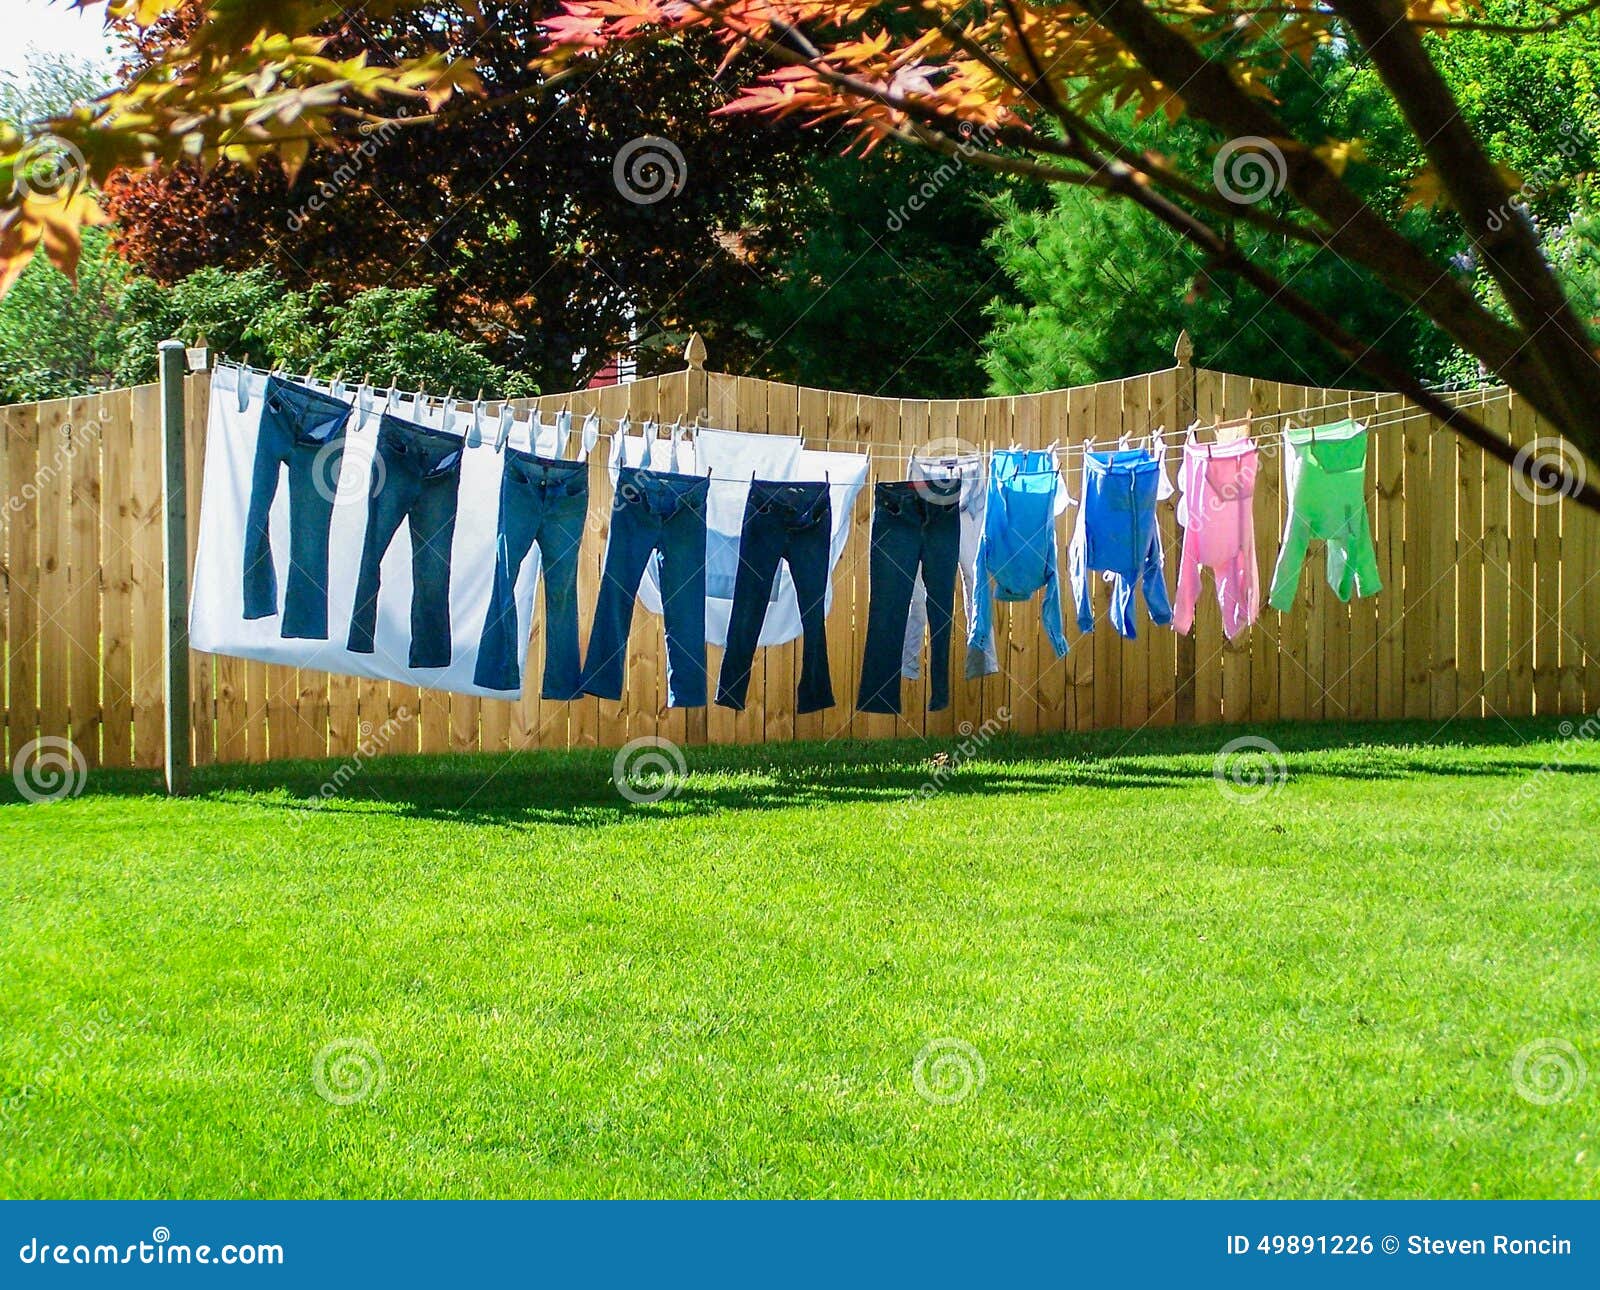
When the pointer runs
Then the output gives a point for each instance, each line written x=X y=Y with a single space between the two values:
x=302 y=431
x=791 y=522
x=912 y=533
x=733 y=459
x=971 y=496
x=416 y=616
x=1217 y=484
x=416 y=480
x=1017 y=555
x=1325 y=475
x=543 y=503
x=662 y=516
x=1117 y=535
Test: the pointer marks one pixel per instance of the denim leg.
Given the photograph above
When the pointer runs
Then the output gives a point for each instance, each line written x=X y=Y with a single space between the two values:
x=627 y=551
x=560 y=538
x=807 y=554
x=313 y=479
x=260 y=578
x=683 y=604
x=391 y=492
x=941 y=553
x=896 y=550
x=433 y=527
x=760 y=548
x=496 y=668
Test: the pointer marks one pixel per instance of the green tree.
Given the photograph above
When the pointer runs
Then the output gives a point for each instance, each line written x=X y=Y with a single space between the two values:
x=57 y=338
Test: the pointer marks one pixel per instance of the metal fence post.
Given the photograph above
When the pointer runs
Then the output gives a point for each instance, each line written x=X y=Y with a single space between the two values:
x=175 y=545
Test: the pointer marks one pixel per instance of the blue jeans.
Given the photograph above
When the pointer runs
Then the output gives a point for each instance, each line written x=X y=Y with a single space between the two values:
x=653 y=512
x=303 y=430
x=792 y=522
x=416 y=475
x=912 y=527
x=541 y=501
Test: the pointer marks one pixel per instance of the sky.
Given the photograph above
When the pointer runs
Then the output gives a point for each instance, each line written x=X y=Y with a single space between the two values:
x=50 y=25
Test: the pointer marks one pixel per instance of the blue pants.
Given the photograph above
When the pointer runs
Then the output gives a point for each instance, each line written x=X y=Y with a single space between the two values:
x=792 y=522
x=1117 y=534
x=1017 y=555
x=911 y=529
x=541 y=501
x=303 y=430
x=654 y=512
x=416 y=475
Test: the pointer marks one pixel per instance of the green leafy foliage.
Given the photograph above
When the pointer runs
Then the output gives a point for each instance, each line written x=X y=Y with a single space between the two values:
x=57 y=339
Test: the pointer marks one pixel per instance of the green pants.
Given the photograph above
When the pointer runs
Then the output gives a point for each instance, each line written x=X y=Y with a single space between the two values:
x=1325 y=470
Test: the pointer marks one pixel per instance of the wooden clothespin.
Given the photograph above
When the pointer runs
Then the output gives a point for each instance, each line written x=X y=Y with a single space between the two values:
x=502 y=430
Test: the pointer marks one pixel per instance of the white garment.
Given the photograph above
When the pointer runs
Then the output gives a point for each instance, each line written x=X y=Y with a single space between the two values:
x=735 y=458
x=217 y=624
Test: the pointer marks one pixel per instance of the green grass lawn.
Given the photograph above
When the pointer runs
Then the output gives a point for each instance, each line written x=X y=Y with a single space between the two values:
x=1171 y=992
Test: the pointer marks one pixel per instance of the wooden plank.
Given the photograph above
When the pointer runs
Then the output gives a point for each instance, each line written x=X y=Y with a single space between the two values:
x=1387 y=445
x=149 y=716
x=878 y=429
x=1106 y=644
x=1360 y=666
x=1161 y=645
x=1442 y=571
x=81 y=445
x=1133 y=657
x=961 y=420
x=913 y=418
x=1050 y=677
x=1012 y=619
x=1294 y=678
x=24 y=499
x=612 y=725
x=1083 y=428
x=1214 y=391
x=55 y=518
x=851 y=581
x=1417 y=630
x=1266 y=401
x=1022 y=701
x=672 y=402
x=202 y=667
x=1469 y=669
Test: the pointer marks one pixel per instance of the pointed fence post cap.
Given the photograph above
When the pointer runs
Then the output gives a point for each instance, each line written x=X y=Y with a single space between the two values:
x=694 y=353
x=1183 y=351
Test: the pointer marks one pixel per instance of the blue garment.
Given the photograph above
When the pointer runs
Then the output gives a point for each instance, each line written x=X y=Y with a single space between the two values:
x=791 y=522
x=654 y=512
x=416 y=479
x=1117 y=534
x=545 y=501
x=1018 y=551
x=301 y=430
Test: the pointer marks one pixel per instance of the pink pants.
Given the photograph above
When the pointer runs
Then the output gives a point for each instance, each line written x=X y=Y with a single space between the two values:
x=1218 y=482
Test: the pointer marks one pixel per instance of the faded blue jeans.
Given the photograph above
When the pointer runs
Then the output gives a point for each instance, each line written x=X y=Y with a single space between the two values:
x=301 y=429
x=913 y=527
x=416 y=476
x=541 y=501
x=653 y=512
x=792 y=522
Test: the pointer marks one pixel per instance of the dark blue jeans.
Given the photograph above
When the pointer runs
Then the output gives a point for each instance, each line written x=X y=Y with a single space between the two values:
x=654 y=512
x=303 y=430
x=792 y=522
x=912 y=528
x=541 y=501
x=416 y=475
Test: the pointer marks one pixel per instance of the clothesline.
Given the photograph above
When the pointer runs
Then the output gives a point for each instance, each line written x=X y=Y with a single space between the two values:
x=1064 y=453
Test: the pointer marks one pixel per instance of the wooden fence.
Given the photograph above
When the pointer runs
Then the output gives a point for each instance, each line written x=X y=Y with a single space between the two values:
x=1491 y=604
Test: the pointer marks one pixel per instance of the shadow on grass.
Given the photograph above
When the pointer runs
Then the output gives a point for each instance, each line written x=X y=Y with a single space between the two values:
x=575 y=787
